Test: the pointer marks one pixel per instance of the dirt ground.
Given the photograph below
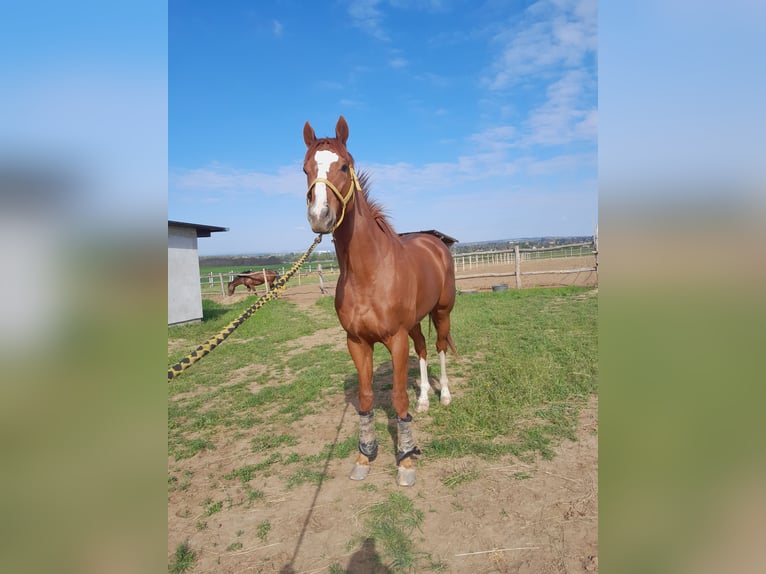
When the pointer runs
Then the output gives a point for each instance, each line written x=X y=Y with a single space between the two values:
x=534 y=517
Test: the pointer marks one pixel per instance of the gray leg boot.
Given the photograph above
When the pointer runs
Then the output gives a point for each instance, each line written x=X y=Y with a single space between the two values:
x=405 y=452
x=368 y=446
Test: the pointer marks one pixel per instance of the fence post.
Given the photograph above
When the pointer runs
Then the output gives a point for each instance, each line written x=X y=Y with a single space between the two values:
x=517 y=265
x=223 y=293
x=595 y=251
x=265 y=280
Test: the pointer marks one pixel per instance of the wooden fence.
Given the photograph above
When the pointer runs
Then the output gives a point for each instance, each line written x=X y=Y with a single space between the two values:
x=516 y=257
x=478 y=264
x=216 y=283
x=468 y=261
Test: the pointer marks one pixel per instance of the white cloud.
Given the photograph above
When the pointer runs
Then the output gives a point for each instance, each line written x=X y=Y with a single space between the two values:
x=329 y=85
x=225 y=179
x=494 y=138
x=551 y=33
x=551 y=46
x=561 y=164
x=366 y=16
x=349 y=103
x=567 y=114
x=277 y=28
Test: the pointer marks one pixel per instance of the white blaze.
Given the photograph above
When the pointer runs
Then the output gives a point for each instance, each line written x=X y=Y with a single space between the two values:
x=324 y=158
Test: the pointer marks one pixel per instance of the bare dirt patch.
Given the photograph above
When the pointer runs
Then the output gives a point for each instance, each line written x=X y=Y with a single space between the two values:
x=534 y=517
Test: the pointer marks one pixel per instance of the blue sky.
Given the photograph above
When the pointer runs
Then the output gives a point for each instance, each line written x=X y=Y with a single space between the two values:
x=475 y=118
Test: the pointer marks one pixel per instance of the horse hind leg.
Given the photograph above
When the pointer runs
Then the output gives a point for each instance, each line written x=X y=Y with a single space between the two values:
x=421 y=351
x=441 y=321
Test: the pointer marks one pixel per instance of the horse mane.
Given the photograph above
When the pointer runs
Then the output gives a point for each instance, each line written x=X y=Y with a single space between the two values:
x=376 y=209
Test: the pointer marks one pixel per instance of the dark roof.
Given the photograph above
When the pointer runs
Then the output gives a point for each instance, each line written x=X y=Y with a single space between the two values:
x=450 y=241
x=202 y=230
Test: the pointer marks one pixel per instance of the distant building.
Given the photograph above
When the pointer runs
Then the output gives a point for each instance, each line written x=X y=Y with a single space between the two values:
x=184 y=292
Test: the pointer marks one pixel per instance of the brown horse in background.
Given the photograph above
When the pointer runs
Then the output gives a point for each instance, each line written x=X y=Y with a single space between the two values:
x=388 y=283
x=252 y=278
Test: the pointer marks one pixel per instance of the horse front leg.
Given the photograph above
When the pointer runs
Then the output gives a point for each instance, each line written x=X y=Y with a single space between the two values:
x=361 y=354
x=406 y=448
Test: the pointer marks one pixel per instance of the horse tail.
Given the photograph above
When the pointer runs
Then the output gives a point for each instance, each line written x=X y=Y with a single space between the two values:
x=451 y=344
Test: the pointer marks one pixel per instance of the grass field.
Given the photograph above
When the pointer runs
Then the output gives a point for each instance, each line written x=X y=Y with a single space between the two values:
x=527 y=364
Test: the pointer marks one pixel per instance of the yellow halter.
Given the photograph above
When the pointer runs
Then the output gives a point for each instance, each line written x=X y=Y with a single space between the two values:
x=353 y=185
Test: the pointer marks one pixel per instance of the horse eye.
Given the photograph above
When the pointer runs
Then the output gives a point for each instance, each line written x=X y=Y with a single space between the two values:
x=344 y=168
x=304 y=171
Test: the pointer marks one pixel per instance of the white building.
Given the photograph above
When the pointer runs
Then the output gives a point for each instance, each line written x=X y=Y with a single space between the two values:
x=184 y=292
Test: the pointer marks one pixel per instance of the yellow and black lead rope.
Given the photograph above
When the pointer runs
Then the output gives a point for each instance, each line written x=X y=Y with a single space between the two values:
x=279 y=286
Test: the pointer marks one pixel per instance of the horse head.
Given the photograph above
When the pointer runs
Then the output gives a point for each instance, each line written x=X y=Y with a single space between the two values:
x=328 y=166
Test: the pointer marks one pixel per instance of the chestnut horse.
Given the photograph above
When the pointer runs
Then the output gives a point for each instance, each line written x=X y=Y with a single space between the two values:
x=388 y=283
x=250 y=279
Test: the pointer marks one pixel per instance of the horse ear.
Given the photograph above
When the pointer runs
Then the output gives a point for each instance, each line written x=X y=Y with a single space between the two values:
x=308 y=135
x=341 y=130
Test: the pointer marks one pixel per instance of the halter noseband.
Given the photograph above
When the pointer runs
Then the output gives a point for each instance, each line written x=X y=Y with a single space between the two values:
x=353 y=185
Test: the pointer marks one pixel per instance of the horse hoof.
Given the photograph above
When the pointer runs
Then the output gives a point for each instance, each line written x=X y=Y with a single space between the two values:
x=406 y=476
x=445 y=399
x=360 y=472
x=422 y=407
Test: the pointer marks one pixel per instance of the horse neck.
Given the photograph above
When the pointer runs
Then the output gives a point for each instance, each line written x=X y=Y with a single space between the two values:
x=361 y=242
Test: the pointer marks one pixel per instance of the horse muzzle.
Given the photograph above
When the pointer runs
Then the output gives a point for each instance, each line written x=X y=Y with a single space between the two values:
x=322 y=222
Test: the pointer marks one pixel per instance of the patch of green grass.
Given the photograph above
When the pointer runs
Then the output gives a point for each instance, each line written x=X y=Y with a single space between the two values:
x=253 y=342
x=245 y=474
x=339 y=450
x=187 y=448
x=213 y=507
x=269 y=441
x=436 y=566
x=304 y=475
x=390 y=525
x=292 y=458
x=263 y=530
x=460 y=477
x=525 y=354
x=368 y=487
x=195 y=417
x=183 y=559
x=234 y=546
x=253 y=495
